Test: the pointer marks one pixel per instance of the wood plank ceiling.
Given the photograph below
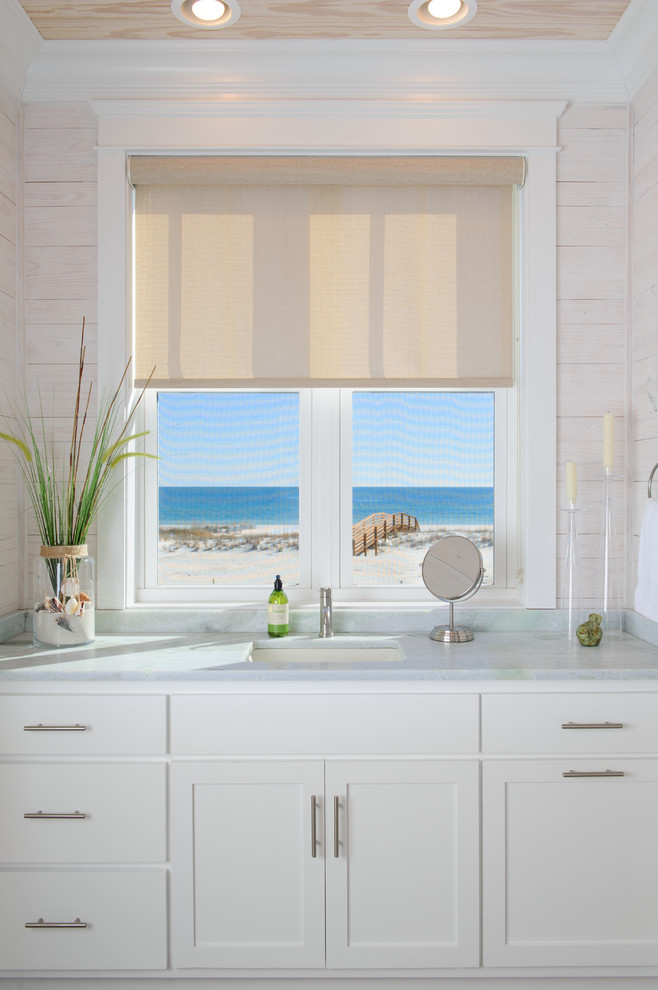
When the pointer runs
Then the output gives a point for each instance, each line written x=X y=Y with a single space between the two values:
x=557 y=20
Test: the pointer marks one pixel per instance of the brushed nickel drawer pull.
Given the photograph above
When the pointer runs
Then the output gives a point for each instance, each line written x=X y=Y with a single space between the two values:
x=54 y=728
x=78 y=815
x=336 y=836
x=592 y=725
x=593 y=773
x=56 y=924
x=314 y=831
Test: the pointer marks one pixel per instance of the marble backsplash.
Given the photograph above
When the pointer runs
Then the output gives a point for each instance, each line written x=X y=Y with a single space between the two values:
x=346 y=619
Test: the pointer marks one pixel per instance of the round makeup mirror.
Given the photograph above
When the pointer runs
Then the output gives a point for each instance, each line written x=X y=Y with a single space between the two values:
x=453 y=572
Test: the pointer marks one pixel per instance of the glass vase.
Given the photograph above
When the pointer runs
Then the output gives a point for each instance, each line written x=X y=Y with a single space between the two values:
x=65 y=594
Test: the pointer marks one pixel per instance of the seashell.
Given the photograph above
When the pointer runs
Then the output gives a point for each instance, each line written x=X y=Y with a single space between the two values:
x=64 y=623
x=71 y=606
x=83 y=598
x=70 y=587
x=52 y=604
x=80 y=610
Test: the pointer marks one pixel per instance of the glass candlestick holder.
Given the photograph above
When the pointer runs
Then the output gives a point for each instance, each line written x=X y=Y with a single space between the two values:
x=572 y=579
x=609 y=589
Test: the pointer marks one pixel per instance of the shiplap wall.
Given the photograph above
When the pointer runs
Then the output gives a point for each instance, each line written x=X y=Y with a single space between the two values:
x=9 y=581
x=645 y=301
x=60 y=232
x=60 y=262
x=592 y=299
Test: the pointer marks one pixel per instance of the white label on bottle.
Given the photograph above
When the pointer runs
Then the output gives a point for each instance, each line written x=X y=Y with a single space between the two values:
x=277 y=614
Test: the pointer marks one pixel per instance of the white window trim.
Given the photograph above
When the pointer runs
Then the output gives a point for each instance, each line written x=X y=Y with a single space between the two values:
x=123 y=130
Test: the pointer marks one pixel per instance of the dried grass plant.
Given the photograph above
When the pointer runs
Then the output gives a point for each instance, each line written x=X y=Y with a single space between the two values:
x=67 y=493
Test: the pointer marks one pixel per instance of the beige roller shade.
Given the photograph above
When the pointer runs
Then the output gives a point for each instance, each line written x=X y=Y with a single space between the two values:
x=275 y=272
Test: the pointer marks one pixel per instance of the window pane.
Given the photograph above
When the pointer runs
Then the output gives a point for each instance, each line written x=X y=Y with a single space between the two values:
x=422 y=467
x=228 y=488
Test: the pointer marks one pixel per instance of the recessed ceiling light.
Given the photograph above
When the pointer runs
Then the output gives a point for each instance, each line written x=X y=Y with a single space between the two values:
x=206 y=13
x=211 y=10
x=438 y=15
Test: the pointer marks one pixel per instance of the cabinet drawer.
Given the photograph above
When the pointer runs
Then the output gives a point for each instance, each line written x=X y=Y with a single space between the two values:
x=82 y=813
x=319 y=724
x=570 y=723
x=82 y=725
x=123 y=913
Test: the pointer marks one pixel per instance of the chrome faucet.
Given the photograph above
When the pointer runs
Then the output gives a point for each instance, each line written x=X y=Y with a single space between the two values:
x=325 y=613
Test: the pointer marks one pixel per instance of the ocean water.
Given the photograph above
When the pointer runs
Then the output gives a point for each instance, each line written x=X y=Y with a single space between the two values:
x=244 y=507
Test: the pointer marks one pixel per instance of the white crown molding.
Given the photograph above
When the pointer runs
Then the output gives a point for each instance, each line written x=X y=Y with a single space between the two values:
x=20 y=44
x=634 y=42
x=408 y=72
x=459 y=109
x=329 y=127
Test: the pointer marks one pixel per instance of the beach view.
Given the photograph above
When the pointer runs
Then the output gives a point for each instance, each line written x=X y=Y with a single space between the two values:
x=210 y=555
x=242 y=534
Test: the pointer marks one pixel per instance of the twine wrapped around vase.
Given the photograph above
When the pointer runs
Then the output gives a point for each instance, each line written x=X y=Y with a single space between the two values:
x=53 y=553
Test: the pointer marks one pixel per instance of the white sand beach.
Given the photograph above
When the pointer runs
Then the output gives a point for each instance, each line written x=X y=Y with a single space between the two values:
x=207 y=556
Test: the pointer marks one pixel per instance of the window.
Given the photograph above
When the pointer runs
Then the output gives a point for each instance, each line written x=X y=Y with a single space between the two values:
x=322 y=486
x=422 y=467
x=228 y=488
x=359 y=287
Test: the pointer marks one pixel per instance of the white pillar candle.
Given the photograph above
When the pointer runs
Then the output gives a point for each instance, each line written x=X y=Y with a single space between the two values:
x=572 y=481
x=608 y=441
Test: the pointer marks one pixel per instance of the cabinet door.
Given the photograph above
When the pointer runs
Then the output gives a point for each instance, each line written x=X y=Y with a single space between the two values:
x=570 y=863
x=402 y=863
x=247 y=876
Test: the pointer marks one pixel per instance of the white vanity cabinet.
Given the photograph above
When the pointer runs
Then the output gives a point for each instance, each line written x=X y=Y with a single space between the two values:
x=322 y=831
x=259 y=846
x=83 y=832
x=570 y=819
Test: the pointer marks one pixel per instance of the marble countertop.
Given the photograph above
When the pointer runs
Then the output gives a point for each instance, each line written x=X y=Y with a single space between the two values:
x=492 y=656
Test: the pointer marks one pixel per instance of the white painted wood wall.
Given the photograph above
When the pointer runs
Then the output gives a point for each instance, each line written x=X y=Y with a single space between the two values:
x=592 y=291
x=60 y=258
x=9 y=116
x=593 y=238
x=645 y=301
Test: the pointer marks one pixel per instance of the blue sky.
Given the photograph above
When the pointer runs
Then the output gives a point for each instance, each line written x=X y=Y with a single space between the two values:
x=422 y=438
x=229 y=439
x=399 y=438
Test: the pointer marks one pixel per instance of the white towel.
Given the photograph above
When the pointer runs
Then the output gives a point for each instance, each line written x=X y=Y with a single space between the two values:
x=646 y=592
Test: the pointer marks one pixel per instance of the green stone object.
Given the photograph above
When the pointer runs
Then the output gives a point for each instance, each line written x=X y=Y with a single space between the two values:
x=590 y=633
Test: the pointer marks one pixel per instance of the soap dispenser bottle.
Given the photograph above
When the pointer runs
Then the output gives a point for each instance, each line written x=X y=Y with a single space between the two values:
x=277 y=610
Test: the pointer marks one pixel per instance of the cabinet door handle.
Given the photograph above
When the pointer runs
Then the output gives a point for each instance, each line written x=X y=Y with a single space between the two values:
x=314 y=828
x=593 y=773
x=56 y=924
x=77 y=815
x=336 y=835
x=54 y=728
x=592 y=725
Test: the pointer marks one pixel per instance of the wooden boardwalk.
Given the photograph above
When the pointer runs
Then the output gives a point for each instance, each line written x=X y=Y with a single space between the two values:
x=369 y=532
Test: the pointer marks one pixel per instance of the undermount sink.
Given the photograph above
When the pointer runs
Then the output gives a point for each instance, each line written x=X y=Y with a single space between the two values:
x=334 y=653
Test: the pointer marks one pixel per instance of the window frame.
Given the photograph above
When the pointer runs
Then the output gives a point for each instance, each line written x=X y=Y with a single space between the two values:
x=524 y=127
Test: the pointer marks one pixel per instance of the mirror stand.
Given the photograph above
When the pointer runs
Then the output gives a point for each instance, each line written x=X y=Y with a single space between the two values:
x=450 y=633
x=452 y=571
